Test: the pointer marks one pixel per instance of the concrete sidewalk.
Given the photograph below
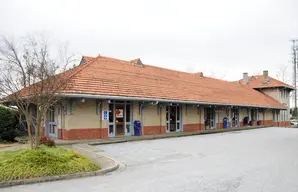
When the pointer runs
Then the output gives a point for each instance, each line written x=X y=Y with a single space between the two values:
x=123 y=139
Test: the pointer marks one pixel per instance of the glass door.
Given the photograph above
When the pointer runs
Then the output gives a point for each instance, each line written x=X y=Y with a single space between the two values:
x=209 y=118
x=167 y=120
x=111 y=120
x=235 y=115
x=128 y=119
x=173 y=119
x=53 y=123
x=178 y=119
x=119 y=119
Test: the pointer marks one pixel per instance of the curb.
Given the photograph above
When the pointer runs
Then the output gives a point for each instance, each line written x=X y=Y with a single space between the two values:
x=5 y=184
x=183 y=134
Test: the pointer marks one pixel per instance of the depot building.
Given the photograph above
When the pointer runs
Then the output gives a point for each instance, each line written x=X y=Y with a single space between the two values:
x=107 y=95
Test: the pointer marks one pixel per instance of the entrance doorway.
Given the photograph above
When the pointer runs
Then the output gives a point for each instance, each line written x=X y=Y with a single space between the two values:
x=209 y=118
x=235 y=117
x=173 y=118
x=52 y=123
x=120 y=118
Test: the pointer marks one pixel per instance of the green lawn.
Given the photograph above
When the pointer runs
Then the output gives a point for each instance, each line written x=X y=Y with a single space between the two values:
x=44 y=161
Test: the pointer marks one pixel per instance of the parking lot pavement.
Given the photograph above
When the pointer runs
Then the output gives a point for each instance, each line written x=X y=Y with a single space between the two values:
x=257 y=160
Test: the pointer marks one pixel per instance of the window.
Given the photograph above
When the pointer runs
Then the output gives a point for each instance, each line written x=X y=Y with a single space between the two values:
x=127 y=113
x=111 y=113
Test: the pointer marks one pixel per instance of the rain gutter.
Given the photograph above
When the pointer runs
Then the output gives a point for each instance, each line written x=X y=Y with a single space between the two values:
x=113 y=97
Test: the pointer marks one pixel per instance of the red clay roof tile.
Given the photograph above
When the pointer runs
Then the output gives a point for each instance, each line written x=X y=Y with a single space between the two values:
x=114 y=77
x=257 y=81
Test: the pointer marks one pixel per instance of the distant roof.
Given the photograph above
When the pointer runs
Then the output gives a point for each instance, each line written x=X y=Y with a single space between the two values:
x=257 y=81
x=86 y=59
x=114 y=77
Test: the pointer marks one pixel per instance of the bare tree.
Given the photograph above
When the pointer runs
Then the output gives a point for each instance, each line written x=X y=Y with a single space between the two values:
x=212 y=74
x=32 y=78
x=284 y=74
x=190 y=70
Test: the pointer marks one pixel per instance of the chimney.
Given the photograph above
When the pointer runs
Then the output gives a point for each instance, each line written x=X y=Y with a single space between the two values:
x=245 y=78
x=266 y=78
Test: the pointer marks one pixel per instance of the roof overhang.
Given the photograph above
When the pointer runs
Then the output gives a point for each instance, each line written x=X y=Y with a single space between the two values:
x=264 y=87
x=129 y=98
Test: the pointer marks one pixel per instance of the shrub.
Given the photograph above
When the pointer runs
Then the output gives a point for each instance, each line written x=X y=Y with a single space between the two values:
x=43 y=161
x=8 y=124
x=47 y=141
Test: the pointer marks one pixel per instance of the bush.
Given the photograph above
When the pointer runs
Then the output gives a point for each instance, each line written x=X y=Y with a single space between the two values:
x=43 y=161
x=8 y=124
x=47 y=141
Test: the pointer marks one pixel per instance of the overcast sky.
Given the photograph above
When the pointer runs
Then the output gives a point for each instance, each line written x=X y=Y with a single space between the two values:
x=219 y=37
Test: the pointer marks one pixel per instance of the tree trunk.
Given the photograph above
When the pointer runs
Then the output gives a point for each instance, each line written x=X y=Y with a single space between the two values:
x=29 y=132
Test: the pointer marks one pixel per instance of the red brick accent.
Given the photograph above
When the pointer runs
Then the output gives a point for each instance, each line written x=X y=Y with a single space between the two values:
x=104 y=133
x=86 y=133
x=219 y=125
x=268 y=122
x=283 y=124
x=241 y=124
x=60 y=133
x=288 y=123
x=193 y=127
x=151 y=130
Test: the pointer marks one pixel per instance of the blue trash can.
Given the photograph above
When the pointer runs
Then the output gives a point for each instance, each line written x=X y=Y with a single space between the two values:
x=137 y=127
x=225 y=122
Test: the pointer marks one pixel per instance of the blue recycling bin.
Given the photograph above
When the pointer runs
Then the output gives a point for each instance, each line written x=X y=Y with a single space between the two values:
x=225 y=122
x=137 y=128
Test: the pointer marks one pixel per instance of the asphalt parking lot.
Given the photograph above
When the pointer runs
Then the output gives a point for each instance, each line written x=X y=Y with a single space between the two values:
x=256 y=160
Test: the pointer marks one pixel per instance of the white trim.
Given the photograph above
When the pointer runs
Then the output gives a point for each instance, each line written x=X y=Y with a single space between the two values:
x=71 y=95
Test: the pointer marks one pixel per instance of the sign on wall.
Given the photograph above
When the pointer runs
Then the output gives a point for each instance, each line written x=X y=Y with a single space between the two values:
x=105 y=115
x=119 y=113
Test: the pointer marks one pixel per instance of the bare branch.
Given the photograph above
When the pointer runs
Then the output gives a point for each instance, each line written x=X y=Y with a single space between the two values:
x=31 y=77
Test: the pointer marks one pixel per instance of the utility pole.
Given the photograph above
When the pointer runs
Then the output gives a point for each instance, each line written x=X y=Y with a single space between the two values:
x=294 y=48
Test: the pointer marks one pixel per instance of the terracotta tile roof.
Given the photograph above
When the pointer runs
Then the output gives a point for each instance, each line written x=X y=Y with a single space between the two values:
x=257 y=81
x=114 y=77
x=86 y=59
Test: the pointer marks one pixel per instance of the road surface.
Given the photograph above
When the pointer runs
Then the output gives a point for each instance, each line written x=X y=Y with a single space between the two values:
x=263 y=160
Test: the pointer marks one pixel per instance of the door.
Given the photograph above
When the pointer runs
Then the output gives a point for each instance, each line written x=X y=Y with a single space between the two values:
x=120 y=120
x=167 y=119
x=209 y=118
x=53 y=123
x=128 y=117
x=173 y=118
x=235 y=115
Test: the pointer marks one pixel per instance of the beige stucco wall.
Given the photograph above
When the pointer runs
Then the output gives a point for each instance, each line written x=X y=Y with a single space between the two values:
x=84 y=116
x=272 y=92
x=260 y=115
x=268 y=115
x=220 y=115
x=283 y=96
x=135 y=111
x=150 y=116
x=242 y=113
x=192 y=116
